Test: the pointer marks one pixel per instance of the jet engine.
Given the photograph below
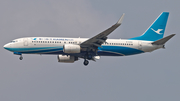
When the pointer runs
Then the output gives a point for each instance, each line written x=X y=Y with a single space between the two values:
x=67 y=58
x=70 y=48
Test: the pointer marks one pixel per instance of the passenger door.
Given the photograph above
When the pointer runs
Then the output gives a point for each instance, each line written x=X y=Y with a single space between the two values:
x=25 y=42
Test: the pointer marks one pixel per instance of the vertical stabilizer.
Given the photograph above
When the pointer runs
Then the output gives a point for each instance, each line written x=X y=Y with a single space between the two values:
x=156 y=30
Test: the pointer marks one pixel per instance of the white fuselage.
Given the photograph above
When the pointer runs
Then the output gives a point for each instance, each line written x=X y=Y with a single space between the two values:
x=54 y=45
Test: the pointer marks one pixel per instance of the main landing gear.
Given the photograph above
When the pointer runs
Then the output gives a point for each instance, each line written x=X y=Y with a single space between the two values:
x=86 y=58
x=86 y=62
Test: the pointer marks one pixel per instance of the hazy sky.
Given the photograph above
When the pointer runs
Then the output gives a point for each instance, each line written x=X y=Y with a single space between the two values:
x=146 y=77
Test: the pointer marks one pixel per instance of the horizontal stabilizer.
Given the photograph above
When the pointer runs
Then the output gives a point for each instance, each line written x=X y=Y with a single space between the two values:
x=163 y=40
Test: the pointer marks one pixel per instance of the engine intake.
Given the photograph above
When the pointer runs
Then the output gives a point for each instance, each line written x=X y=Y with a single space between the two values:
x=67 y=58
x=70 y=48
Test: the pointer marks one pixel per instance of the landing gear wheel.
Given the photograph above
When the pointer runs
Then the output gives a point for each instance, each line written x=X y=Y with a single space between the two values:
x=86 y=62
x=20 y=58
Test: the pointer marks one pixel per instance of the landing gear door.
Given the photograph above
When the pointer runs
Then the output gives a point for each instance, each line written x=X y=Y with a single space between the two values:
x=25 y=42
x=139 y=44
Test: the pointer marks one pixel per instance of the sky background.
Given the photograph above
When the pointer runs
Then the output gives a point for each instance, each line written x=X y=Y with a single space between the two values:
x=151 y=76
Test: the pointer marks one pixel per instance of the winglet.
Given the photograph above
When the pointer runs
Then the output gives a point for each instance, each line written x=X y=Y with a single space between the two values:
x=163 y=40
x=121 y=19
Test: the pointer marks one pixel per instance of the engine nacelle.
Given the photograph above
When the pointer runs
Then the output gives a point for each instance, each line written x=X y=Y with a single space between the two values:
x=70 y=48
x=67 y=58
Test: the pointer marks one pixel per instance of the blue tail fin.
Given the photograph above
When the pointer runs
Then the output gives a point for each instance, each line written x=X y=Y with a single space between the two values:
x=156 y=30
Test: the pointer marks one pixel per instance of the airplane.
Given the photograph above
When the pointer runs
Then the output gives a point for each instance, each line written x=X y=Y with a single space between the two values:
x=69 y=50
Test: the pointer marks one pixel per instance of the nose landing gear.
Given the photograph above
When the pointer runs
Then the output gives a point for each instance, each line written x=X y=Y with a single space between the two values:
x=20 y=58
x=20 y=54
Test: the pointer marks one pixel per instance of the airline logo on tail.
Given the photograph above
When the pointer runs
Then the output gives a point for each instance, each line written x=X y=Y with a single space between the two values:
x=158 y=31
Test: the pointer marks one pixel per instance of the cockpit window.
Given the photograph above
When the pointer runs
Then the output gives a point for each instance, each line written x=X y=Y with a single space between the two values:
x=13 y=41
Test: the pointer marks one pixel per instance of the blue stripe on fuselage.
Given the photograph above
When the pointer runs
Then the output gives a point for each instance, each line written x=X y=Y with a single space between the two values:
x=36 y=49
x=119 y=50
x=104 y=51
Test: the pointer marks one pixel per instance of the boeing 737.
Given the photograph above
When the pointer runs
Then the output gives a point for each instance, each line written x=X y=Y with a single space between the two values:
x=69 y=50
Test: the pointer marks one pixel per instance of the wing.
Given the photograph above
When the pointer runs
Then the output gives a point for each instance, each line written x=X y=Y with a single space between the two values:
x=98 y=40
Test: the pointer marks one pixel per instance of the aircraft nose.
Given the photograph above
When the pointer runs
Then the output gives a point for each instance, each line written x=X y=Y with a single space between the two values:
x=6 y=46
